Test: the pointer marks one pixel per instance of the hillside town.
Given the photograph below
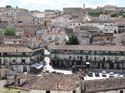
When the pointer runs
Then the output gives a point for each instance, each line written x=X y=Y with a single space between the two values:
x=74 y=50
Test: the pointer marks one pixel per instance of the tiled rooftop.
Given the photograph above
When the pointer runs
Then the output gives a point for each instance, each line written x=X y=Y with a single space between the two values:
x=14 y=49
x=59 y=82
x=93 y=86
x=104 y=35
x=88 y=47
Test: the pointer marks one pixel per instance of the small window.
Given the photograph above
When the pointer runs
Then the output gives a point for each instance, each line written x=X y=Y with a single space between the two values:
x=108 y=39
x=5 y=54
x=47 y=91
x=24 y=53
x=121 y=91
x=77 y=57
x=23 y=60
x=74 y=91
x=14 y=60
x=70 y=57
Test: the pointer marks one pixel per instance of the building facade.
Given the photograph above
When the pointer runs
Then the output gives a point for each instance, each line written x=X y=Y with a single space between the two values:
x=99 y=57
x=111 y=85
x=19 y=59
x=110 y=28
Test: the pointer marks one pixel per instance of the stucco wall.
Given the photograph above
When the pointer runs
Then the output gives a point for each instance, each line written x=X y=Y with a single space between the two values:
x=53 y=91
x=113 y=91
x=2 y=83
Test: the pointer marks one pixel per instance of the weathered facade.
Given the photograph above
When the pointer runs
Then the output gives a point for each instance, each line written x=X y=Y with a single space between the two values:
x=100 y=57
x=18 y=59
x=111 y=85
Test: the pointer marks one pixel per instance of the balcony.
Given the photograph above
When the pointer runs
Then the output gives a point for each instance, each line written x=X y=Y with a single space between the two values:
x=15 y=55
x=15 y=63
x=103 y=53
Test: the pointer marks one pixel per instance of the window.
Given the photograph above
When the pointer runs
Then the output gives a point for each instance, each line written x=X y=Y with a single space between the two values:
x=121 y=91
x=20 y=22
x=81 y=57
x=24 y=69
x=5 y=60
x=74 y=91
x=47 y=91
x=24 y=53
x=108 y=39
x=77 y=51
x=5 y=54
x=13 y=61
x=70 y=57
x=23 y=60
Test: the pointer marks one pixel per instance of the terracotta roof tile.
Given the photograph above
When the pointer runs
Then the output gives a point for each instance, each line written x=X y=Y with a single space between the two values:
x=59 y=82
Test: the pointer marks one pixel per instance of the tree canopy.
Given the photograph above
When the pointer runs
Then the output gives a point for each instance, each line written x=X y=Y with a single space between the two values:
x=95 y=13
x=72 y=40
x=114 y=14
x=9 y=31
x=123 y=14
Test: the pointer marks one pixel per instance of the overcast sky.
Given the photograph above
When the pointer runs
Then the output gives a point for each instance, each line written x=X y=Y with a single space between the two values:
x=59 y=4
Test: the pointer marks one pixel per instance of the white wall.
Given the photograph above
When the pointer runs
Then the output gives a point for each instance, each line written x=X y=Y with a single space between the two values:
x=113 y=91
x=2 y=83
x=19 y=68
x=60 y=21
x=52 y=91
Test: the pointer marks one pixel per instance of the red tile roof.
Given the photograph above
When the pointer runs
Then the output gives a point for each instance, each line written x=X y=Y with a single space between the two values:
x=58 y=82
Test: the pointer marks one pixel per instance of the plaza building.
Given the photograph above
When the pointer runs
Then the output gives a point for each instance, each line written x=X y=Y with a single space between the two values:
x=99 y=57
x=18 y=59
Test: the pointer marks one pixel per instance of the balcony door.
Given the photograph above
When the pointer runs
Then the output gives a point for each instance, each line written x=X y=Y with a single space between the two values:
x=24 y=68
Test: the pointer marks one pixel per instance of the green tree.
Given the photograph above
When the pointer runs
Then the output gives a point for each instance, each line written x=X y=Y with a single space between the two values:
x=72 y=40
x=10 y=31
x=114 y=14
x=123 y=14
x=95 y=13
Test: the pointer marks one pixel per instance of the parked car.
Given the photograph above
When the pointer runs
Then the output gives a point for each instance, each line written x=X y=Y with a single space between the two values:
x=96 y=74
x=121 y=75
x=77 y=68
x=111 y=74
x=104 y=74
x=117 y=75
x=90 y=74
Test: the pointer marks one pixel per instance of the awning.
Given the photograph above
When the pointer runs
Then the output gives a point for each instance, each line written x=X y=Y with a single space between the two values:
x=37 y=65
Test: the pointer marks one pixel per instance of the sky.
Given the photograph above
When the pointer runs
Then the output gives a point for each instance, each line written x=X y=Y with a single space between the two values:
x=59 y=4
